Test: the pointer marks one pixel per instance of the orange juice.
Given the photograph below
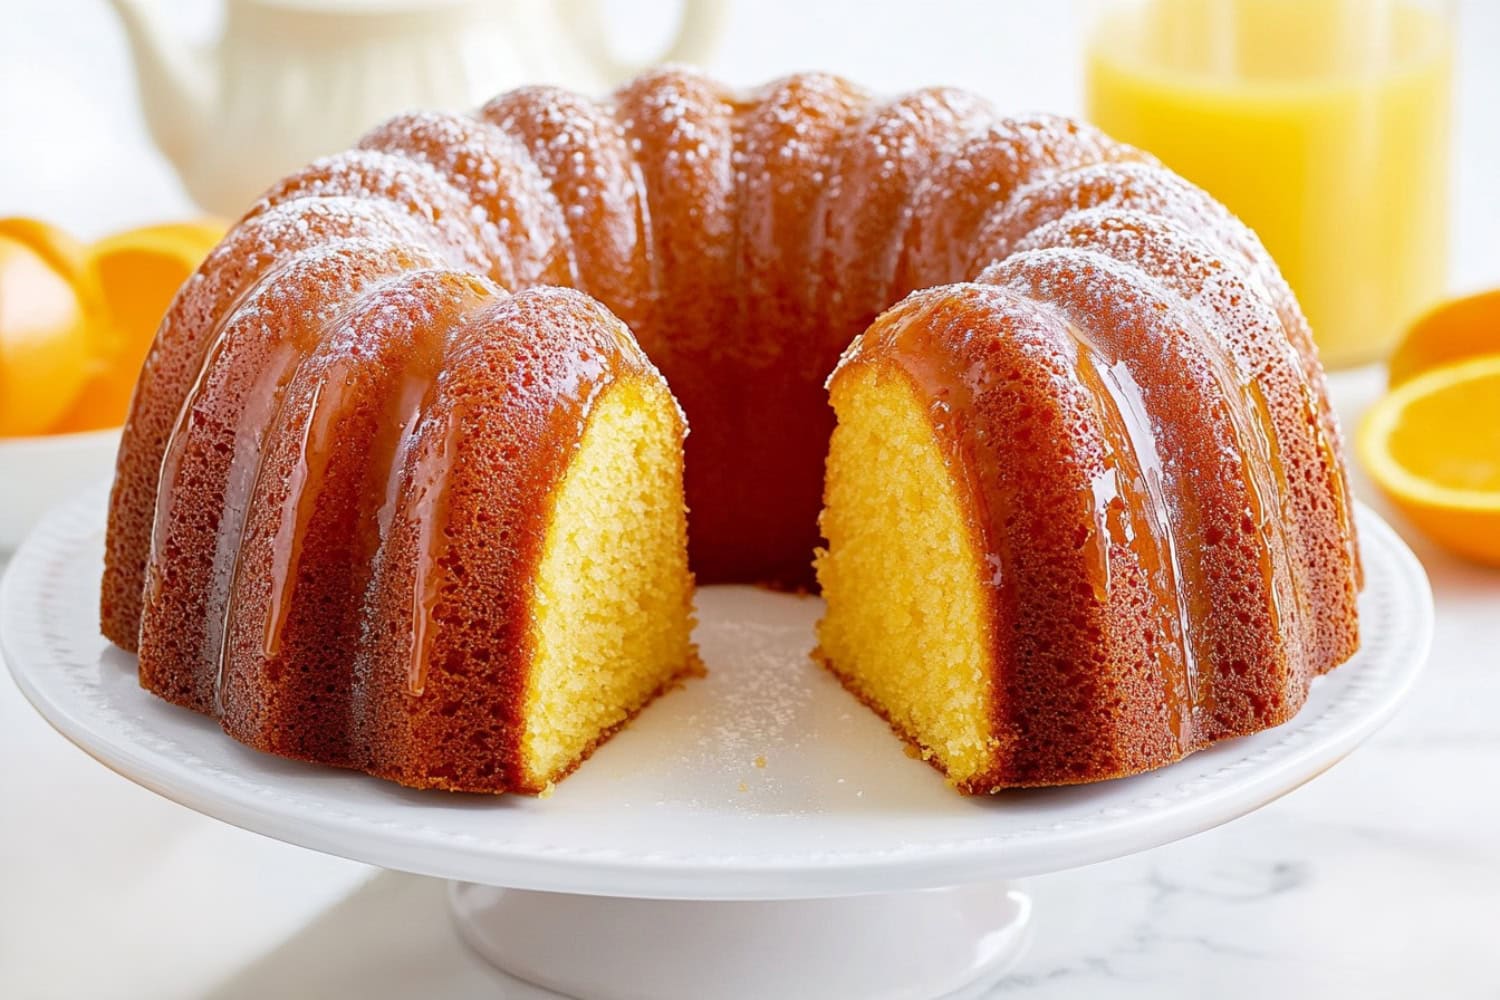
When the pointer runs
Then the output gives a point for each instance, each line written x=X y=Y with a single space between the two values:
x=1322 y=123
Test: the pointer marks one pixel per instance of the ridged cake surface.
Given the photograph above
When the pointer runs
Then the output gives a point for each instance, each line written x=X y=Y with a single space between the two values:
x=1076 y=404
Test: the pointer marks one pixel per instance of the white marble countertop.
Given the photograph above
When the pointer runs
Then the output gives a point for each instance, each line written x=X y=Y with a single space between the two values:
x=1379 y=879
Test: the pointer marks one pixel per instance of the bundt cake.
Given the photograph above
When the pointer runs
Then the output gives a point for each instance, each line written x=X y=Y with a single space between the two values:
x=399 y=492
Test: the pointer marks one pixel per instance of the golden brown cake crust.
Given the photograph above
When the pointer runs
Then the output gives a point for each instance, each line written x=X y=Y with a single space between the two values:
x=257 y=246
x=443 y=668
x=1077 y=674
x=1130 y=532
x=745 y=240
x=210 y=463
x=316 y=519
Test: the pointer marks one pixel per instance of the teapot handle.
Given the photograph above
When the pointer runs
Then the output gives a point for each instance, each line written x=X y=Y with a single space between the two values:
x=697 y=34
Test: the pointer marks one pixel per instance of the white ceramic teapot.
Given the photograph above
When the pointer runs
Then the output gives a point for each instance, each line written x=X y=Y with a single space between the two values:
x=290 y=80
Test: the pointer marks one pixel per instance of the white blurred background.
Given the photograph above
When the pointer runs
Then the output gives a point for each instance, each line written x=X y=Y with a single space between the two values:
x=74 y=149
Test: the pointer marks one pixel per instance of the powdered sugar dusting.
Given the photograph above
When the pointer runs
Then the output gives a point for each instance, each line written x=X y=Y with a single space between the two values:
x=765 y=231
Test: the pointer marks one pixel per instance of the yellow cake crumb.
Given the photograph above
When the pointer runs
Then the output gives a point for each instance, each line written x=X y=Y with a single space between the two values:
x=613 y=609
x=906 y=616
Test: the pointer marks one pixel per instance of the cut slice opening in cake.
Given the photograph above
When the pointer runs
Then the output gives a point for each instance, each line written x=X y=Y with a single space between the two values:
x=496 y=580
x=613 y=606
x=905 y=628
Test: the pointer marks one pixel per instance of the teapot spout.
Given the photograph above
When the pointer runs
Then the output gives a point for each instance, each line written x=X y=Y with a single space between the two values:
x=174 y=80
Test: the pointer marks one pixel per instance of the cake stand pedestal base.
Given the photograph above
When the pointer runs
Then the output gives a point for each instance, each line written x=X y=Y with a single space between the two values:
x=939 y=943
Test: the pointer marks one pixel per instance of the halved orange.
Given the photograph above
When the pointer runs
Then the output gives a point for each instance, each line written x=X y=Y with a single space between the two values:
x=1466 y=327
x=1433 y=446
x=48 y=342
x=137 y=273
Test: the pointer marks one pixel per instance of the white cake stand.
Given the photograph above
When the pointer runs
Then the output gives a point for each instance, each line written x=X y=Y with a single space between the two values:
x=757 y=834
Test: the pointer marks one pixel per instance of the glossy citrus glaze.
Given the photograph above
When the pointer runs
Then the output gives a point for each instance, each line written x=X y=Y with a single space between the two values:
x=1089 y=661
x=1189 y=417
x=323 y=505
x=261 y=246
x=299 y=484
x=212 y=456
x=517 y=381
x=1124 y=485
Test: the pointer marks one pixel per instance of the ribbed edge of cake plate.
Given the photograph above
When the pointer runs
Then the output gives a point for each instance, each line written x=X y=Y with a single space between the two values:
x=757 y=833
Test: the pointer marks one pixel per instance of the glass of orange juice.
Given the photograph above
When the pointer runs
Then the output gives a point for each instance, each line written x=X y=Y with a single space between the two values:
x=1324 y=124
